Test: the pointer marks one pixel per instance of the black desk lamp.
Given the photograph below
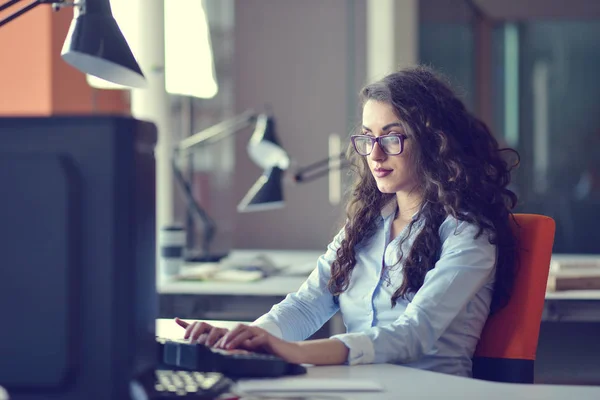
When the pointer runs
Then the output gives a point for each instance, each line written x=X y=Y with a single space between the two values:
x=94 y=44
x=267 y=191
x=263 y=146
x=266 y=151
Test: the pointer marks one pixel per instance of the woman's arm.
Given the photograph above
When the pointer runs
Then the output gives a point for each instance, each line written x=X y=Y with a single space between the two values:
x=323 y=352
x=302 y=313
x=317 y=352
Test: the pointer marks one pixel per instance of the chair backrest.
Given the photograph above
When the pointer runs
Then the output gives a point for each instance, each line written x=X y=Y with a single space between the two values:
x=507 y=347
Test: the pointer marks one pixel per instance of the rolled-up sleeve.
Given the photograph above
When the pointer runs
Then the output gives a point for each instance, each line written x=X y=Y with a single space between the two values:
x=302 y=313
x=465 y=266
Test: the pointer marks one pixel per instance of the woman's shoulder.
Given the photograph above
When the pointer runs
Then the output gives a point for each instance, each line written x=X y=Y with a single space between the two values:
x=459 y=228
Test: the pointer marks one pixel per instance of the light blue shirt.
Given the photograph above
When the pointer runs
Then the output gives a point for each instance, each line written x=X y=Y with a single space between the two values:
x=436 y=329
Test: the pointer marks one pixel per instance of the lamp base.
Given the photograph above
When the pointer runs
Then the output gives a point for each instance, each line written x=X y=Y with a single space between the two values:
x=205 y=258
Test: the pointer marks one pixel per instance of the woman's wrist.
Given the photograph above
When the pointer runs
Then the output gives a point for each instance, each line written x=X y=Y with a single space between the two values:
x=321 y=352
x=296 y=353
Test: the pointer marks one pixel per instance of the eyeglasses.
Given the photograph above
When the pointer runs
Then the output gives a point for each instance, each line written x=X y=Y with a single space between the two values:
x=391 y=144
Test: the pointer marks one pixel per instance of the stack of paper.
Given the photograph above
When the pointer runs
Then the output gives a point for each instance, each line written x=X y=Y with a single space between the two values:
x=574 y=274
x=230 y=269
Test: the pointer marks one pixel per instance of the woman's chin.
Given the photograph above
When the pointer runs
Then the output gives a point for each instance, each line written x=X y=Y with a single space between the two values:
x=386 y=188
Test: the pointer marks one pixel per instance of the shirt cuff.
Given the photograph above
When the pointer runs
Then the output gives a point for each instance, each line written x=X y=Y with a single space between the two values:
x=268 y=326
x=360 y=346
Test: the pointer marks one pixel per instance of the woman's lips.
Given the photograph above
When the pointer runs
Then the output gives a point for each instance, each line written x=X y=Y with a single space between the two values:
x=381 y=172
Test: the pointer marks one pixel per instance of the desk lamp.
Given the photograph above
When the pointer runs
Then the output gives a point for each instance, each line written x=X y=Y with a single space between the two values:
x=94 y=44
x=264 y=148
x=266 y=151
x=267 y=191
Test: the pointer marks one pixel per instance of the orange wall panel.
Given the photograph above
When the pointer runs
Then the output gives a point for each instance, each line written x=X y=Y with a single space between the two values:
x=25 y=79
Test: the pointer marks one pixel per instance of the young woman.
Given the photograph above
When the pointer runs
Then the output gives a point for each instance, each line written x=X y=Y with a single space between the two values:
x=427 y=250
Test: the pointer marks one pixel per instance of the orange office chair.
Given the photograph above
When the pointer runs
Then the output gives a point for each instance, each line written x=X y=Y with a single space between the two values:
x=508 y=343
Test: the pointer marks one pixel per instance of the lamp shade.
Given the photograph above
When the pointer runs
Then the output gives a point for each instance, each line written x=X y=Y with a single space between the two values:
x=265 y=194
x=264 y=148
x=96 y=46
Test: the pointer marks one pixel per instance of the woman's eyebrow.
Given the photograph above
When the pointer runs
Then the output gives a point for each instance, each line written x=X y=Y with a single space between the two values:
x=392 y=125
x=385 y=128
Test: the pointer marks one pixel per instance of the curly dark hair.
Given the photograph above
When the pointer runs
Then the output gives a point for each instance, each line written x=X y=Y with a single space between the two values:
x=463 y=175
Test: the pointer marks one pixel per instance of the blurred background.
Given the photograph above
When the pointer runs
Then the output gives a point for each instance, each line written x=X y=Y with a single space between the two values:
x=528 y=68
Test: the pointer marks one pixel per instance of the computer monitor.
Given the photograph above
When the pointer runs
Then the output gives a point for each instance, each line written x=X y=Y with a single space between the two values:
x=77 y=252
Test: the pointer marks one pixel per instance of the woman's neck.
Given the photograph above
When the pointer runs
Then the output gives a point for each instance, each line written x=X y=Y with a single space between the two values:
x=408 y=205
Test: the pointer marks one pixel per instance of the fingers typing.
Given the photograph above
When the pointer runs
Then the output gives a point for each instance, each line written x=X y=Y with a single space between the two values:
x=202 y=338
x=196 y=329
x=214 y=335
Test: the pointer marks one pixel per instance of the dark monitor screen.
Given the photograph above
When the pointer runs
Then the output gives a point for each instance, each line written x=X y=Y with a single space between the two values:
x=77 y=284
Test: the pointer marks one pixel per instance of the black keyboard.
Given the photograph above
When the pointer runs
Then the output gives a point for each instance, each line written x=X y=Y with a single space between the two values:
x=182 y=354
x=164 y=384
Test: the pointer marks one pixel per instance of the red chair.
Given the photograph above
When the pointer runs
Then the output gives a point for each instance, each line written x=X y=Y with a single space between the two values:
x=507 y=347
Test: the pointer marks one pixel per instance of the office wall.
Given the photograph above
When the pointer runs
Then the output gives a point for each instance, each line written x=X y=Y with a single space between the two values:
x=447 y=42
x=306 y=60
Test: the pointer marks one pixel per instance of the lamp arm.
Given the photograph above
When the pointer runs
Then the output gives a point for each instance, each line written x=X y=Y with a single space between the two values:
x=23 y=10
x=209 y=224
x=218 y=131
x=8 y=4
x=319 y=168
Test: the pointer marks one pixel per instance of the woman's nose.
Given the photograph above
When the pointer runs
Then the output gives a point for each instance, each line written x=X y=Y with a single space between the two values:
x=377 y=153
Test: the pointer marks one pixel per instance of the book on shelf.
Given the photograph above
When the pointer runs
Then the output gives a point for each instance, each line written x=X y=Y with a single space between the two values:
x=574 y=279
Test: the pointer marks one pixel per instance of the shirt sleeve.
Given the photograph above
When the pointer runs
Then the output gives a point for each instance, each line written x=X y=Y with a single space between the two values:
x=302 y=313
x=465 y=266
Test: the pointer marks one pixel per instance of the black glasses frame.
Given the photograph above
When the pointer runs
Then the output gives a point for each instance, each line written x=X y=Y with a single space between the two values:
x=401 y=138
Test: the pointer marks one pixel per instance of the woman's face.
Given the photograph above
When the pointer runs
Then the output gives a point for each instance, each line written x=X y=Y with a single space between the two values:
x=393 y=173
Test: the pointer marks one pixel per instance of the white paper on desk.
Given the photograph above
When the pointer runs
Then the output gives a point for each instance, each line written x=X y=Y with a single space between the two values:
x=308 y=385
x=232 y=275
x=198 y=271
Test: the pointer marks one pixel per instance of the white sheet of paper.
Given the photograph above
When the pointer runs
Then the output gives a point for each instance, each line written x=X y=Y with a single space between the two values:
x=308 y=385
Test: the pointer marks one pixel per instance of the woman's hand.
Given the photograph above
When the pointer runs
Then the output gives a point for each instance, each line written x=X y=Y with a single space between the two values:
x=201 y=332
x=253 y=338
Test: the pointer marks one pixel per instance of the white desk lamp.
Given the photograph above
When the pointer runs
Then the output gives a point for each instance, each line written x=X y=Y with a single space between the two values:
x=263 y=148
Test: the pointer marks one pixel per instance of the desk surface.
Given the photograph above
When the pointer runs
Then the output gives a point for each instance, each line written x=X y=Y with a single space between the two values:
x=410 y=383
x=281 y=285
x=295 y=265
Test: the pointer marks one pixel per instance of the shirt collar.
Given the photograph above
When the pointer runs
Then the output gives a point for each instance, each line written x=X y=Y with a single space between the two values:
x=390 y=208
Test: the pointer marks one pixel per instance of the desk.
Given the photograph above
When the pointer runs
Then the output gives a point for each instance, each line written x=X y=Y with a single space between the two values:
x=248 y=301
x=409 y=383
